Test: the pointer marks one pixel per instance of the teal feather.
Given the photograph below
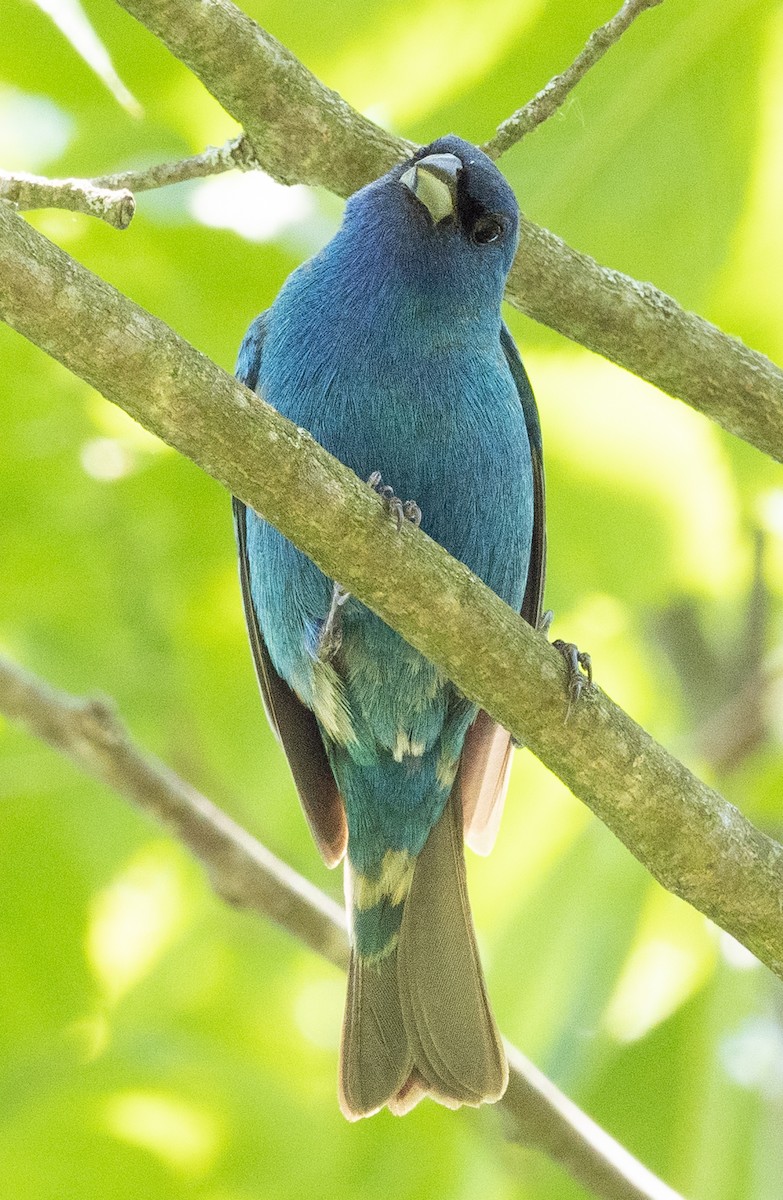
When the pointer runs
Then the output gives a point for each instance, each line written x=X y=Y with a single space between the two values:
x=376 y=929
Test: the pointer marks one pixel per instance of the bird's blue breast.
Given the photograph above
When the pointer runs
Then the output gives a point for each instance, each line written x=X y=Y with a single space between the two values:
x=384 y=386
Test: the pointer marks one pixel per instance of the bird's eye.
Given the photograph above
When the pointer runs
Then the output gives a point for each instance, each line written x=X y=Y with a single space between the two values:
x=486 y=229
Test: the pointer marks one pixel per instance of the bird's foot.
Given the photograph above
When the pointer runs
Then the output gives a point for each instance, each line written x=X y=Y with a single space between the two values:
x=330 y=638
x=578 y=662
x=400 y=510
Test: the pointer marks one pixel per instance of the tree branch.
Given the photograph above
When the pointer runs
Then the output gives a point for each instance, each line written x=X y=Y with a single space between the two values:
x=302 y=132
x=307 y=132
x=240 y=869
x=554 y=94
x=642 y=329
x=694 y=842
x=110 y=197
x=245 y=873
x=237 y=153
x=113 y=205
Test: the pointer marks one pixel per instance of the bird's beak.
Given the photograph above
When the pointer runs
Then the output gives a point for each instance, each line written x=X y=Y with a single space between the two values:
x=433 y=181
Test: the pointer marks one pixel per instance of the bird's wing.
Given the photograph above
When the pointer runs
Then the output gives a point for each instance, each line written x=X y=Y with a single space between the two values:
x=295 y=726
x=534 y=589
x=486 y=754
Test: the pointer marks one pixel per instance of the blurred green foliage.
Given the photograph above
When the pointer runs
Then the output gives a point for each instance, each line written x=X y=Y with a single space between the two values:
x=154 y=1043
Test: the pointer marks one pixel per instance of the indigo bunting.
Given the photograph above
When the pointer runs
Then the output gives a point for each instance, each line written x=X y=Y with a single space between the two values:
x=389 y=347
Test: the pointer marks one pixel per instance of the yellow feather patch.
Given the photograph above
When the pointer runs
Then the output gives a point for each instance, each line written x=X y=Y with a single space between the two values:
x=329 y=704
x=393 y=882
x=403 y=747
x=430 y=680
x=446 y=770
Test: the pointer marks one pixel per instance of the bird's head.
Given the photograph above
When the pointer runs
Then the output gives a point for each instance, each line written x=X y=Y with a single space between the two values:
x=460 y=196
x=446 y=221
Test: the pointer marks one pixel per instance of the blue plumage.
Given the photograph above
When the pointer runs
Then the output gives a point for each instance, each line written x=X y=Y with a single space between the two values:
x=388 y=347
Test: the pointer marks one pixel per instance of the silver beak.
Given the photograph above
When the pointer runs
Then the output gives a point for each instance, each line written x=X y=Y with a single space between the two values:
x=433 y=181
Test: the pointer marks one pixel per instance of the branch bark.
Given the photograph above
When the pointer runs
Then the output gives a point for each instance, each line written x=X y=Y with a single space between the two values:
x=307 y=132
x=554 y=94
x=642 y=329
x=113 y=205
x=302 y=132
x=244 y=873
x=110 y=197
x=694 y=842
x=237 y=153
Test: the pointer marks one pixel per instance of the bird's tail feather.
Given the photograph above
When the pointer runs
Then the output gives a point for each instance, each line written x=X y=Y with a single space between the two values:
x=375 y=1059
x=418 y=1020
x=455 y=1042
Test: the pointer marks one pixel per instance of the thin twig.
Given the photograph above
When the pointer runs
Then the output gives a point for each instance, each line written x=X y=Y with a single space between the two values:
x=695 y=843
x=237 y=153
x=245 y=873
x=113 y=205
x=110 y=197
x=550 y=98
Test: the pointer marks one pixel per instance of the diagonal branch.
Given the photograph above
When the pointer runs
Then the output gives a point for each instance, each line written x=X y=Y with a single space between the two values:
x=244 y=872
x=554 y=94
x=302 y=132
x=690 y=838
x=642 y=329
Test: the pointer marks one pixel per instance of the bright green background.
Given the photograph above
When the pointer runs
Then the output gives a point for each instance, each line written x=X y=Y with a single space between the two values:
x=154 y=1043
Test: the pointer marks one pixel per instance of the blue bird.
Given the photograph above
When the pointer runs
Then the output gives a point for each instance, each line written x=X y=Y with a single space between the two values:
x=389 y=347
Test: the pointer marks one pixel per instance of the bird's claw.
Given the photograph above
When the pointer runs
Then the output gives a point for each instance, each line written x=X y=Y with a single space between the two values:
x=578 y=662
x=412 y=513
x=545 y=622
x=330 y=638
x=580 y=671
x=400 y=510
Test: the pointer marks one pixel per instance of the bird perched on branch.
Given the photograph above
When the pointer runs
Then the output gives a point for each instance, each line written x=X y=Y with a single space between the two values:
x=388 y=346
